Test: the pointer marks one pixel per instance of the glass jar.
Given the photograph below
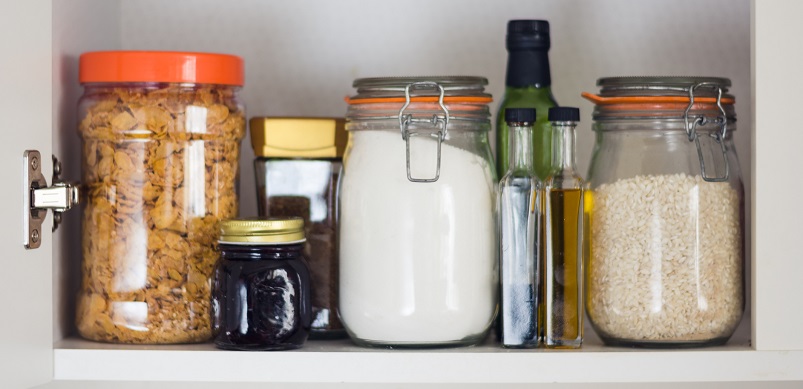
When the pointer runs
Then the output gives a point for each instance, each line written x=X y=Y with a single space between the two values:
x=666 y=259
x=161 y=138
x=297 y=172
x=418 y=260
x=260 y=290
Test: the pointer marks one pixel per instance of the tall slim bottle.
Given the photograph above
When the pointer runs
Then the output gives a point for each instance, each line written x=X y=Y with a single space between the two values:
x=519 y=223
x=565 y=229
x=527 y=85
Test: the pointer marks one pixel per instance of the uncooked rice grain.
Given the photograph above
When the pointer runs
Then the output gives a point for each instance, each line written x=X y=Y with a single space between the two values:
x=666 y=259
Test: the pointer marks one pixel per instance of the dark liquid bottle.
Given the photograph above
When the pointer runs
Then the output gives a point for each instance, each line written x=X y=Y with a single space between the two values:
x=527 y=85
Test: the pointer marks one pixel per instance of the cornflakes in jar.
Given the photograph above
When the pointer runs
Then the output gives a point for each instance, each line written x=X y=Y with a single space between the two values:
x=161 y=138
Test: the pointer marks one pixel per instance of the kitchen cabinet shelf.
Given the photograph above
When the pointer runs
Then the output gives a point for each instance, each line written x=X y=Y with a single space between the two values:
x=341 y=361
x=301 y=57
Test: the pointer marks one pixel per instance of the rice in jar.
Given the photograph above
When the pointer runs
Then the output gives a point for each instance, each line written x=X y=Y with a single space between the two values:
x=666 y=259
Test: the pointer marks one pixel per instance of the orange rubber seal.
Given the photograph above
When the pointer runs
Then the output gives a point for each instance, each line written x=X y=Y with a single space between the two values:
x=161 y=66
x=635 y=100
x=421 y=99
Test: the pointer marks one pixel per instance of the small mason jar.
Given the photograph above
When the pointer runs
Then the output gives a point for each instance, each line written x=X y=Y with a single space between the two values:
x=260 y=290
x=161 y=136
x=666 y=261
x=418 y=246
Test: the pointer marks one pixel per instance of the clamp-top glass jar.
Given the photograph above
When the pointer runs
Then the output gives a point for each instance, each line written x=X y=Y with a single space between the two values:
x=417 y=235
x=665 y=262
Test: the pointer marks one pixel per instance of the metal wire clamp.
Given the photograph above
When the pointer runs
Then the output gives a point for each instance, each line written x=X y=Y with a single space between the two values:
x=439 y=121
x=719 y=137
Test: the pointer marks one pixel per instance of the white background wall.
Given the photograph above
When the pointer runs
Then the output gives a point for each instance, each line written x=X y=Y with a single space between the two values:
x=301 y=56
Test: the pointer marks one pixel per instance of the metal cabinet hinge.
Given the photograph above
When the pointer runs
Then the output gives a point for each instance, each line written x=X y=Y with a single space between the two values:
x=38 y=197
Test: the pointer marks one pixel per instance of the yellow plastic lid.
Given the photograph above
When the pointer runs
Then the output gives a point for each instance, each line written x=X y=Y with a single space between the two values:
x=287 y=137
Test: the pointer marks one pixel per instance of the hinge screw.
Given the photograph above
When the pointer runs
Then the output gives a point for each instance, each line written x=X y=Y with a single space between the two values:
x=56 y=168
x=35 y=236
x=35 y=163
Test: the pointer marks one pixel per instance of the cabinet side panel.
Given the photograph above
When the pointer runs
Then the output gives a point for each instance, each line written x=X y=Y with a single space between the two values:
x=78 y=26
x=26 y=343
x=778 y=264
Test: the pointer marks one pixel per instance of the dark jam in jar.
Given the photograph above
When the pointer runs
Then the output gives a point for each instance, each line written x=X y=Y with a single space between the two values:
x=260 y=290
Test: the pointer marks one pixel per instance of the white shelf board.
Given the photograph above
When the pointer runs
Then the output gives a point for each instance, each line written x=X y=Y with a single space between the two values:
x=341 y=361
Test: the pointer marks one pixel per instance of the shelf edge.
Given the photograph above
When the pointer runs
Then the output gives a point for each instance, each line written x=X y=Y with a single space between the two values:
x=427 y=367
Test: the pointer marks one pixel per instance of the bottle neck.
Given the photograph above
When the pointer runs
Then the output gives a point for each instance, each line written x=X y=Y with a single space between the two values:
x=528 y=68
x=521 y=148
x=563 y=159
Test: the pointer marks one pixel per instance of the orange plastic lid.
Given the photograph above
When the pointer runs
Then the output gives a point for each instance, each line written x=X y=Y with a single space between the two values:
x=161 y=66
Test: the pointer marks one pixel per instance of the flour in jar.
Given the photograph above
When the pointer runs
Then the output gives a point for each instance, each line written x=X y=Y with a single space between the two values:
x=417 y=260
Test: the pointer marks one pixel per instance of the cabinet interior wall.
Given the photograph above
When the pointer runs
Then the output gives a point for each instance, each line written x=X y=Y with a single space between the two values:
x=302 y=56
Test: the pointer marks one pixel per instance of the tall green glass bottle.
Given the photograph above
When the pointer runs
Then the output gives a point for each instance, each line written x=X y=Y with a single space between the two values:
x=527 y=85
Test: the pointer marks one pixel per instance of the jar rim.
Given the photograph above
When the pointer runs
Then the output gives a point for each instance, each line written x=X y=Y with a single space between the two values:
x=663 y=86
x=394 y=87
x=156 y=85
x=453 y=82
x=460 y=98
x=663 y=98
x=239 y=243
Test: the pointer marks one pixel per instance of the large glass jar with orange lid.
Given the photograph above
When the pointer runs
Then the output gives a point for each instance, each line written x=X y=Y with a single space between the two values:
x=161 y=138
x=665 y=265
x=418 y=247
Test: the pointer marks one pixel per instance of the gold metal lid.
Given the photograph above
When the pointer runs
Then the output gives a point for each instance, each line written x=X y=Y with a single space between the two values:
x=262 y=231
x=298 y=137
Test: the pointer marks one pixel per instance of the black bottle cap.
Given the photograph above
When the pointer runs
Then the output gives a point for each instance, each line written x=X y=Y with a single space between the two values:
x=520 y=115
x=527 y=34
x=564 y=114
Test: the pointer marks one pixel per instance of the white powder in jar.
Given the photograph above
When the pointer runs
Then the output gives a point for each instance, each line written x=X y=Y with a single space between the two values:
x=417 y=260
x=666 y=259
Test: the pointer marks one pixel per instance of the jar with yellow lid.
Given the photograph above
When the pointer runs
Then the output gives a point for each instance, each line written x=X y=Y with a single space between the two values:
x=260 y=289
x=297 y=169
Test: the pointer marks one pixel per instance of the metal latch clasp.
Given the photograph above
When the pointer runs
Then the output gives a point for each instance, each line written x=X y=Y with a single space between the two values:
x=719 y=137
x=38 y=197
x=439 y=121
